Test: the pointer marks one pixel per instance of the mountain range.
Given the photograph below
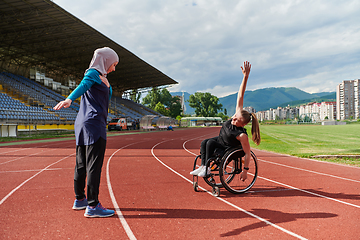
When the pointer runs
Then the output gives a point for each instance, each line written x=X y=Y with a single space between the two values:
x=266 y=98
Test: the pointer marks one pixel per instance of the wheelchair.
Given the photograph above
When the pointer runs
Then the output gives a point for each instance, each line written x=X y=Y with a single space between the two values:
x=225 y=168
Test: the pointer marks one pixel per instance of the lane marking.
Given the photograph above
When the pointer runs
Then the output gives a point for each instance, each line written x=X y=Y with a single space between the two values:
x=308 y=159
x=308 y=192
x=302 y=190
x=34 y=170
x=113 y=199
x=27 y=180
x=305 y=170
x=226 y=202
x=15 y=159
x=191 y=140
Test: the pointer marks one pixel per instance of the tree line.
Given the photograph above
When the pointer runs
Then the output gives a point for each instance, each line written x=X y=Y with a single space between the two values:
x=205 y=104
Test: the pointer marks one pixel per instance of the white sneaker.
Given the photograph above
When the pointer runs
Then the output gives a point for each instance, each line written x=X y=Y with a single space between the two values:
x=197 y=171
x=203 y=172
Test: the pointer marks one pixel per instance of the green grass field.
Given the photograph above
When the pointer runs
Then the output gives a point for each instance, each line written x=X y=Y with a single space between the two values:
x=310 y=140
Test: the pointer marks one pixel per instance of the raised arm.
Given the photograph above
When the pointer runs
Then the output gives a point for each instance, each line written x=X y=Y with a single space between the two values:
x=240 y=99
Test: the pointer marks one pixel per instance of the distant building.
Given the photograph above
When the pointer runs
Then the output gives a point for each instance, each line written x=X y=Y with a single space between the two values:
x=250 y=109
x=347 y=100
x=182 y=102
x=260 y=115
x=328 y=111
x=318 y=111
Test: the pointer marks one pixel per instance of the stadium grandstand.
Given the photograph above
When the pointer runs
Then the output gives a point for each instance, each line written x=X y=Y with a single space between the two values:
x=44 y=51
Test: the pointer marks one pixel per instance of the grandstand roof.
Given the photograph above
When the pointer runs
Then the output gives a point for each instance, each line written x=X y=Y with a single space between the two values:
x=40 y=33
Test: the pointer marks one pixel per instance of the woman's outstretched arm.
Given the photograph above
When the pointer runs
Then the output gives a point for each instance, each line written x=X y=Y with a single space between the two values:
x=240 y=99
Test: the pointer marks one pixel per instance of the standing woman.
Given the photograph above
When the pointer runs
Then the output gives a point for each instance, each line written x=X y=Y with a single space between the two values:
x=90 y=130
x=232 y=132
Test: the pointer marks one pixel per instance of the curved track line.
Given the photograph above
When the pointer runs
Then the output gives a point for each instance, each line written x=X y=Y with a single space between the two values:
x=305 y=170
x=305 y=191
x=230 y=204
x=42 y=170
x=191 y=140
x=113 y=199
x=309 y=159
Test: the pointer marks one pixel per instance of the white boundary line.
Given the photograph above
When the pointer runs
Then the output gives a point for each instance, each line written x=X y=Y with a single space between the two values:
x=34 y=170
x=309 y=159
x=230 y=204
x=22 y=184
x=305 y=170
x=305 y=191
x=295 y=188
x=113 y=199
x=15 y=159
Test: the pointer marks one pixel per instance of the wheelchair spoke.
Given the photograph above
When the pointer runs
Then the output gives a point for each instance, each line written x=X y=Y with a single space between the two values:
x=230 y=173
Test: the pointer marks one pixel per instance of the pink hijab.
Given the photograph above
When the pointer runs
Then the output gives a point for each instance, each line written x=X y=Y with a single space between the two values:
x=102 y=59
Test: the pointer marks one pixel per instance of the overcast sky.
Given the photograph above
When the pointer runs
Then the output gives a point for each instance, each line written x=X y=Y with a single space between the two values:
x=313 y=45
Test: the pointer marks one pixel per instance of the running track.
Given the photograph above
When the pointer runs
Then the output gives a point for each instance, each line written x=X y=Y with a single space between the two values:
x=146 y=180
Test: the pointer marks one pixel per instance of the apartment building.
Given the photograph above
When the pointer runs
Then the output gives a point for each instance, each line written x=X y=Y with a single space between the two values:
x=328 y=111
x=347 y=99
x=315 y=111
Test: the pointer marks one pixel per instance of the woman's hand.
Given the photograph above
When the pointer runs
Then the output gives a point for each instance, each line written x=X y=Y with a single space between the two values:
x=246 y=69
x=63 y=104
x=104 y=80
x=244 y=140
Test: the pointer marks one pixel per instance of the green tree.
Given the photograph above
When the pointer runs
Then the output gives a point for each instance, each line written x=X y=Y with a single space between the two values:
x=175 y=107
x=160 y=108
x=169 y=103
x=223 y=116
x=205 y=104
x=152 y=98
x=135 y=95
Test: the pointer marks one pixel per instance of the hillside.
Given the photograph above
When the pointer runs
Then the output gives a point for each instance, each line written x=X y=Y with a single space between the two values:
x=325 y=98
x=263 y=99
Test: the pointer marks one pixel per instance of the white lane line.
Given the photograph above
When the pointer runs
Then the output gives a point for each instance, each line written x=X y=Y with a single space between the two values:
x=298 y=189
x=305 y=170
x=308 y=159
x=57 y=144
x=201 y=137
x=33 y=170
x=230 y=204
x=113 y=199
x=22 y=184
x=312 y=193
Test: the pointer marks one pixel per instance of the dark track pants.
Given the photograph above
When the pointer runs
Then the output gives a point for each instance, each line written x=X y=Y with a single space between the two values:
x=89 y=161
x=207 y=148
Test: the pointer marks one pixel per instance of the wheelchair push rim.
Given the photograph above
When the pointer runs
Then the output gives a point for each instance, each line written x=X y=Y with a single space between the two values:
x=231 y=168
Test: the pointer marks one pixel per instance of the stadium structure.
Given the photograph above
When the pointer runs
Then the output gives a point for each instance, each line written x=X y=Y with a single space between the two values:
x=44 y=51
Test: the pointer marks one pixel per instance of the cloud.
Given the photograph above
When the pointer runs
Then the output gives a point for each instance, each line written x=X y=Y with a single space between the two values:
x=312 y=45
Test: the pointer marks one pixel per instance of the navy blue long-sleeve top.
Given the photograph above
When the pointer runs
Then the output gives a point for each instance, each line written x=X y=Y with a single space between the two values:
x=90 y=123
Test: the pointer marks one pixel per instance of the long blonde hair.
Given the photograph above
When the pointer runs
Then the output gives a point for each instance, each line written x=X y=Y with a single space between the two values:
x=255 y=129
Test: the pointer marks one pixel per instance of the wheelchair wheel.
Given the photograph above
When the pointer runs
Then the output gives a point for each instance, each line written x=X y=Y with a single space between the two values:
x=230 y=169
x=213 y=179
x=215 y=191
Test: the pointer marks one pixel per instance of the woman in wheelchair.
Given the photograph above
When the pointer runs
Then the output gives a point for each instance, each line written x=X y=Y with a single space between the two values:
x=232 y=132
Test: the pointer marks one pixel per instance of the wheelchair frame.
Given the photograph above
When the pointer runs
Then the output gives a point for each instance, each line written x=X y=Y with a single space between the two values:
x=225 y=168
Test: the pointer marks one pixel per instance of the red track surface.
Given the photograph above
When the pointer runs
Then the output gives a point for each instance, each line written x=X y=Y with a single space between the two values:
x=146 y=180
